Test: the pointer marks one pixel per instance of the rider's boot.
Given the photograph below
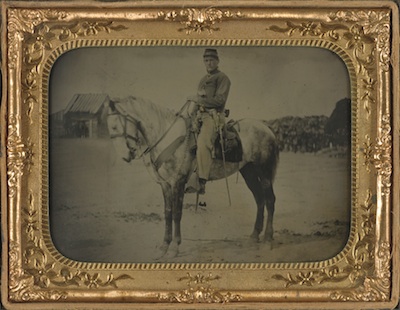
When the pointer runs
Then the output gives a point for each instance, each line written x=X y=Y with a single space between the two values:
x=202 y=189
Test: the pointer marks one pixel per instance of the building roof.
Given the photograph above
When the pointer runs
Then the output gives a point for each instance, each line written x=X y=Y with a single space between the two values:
x=86 y=103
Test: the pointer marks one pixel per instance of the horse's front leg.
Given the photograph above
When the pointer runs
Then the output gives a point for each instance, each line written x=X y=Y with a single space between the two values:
x=177 y=206
x=168 y=205
x=177 y=210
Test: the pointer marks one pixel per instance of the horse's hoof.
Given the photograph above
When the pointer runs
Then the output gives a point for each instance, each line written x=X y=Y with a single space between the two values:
x=269 y=235
x=270 y=241
x=254 y=237
x=173 y=251
x=271 y=244
x=163 y=250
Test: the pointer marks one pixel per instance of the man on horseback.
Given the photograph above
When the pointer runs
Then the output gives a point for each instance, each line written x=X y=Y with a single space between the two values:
x=211 y=97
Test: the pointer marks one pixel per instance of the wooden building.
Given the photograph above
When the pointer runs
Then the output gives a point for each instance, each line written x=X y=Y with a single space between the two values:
x=57 y=128
x=84 y=116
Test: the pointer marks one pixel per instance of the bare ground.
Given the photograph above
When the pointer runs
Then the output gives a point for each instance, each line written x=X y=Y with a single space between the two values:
x=105 y=210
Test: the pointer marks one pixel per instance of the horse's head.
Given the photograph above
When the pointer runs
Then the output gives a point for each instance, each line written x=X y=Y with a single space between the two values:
x=124 y=130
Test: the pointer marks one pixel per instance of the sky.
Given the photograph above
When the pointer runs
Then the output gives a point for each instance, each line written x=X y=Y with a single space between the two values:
x=266 y=82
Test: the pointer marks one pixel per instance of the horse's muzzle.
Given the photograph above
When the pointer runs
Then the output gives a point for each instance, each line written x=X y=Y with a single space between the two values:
x=128 y=160
x=131 y=156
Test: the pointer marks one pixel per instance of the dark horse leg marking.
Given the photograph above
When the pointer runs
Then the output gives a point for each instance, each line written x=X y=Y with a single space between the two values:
x=250 y=175
x=167 y=193
x=270 y=204
x=177 y=207
x=261 y=187
x=173 y=199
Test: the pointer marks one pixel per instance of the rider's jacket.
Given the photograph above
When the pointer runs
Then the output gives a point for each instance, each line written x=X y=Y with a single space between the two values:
x=213 y=90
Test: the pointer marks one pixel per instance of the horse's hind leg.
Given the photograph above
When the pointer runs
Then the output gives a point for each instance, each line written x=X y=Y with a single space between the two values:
x=270 y=204
x=250 y=175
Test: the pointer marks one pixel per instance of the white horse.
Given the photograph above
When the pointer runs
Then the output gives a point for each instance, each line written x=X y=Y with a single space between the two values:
x=140 y=128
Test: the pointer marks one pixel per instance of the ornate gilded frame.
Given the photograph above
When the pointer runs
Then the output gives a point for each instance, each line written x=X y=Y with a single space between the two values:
x=363 y=34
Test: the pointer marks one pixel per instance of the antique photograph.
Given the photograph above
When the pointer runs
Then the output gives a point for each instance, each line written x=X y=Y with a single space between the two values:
x=176 y=155
x=253 y=142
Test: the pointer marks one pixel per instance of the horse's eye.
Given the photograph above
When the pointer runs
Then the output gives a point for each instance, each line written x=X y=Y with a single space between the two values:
x=114 y=128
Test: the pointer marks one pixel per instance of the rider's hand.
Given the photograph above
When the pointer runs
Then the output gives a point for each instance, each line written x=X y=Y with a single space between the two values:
x=202 y=93
x=192 y=98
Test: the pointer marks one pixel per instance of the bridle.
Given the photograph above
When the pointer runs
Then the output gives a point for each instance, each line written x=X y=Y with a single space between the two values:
x=124 y=119
x=127 y=118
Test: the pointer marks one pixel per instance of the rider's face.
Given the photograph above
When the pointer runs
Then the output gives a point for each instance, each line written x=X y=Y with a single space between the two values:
x=211 y=63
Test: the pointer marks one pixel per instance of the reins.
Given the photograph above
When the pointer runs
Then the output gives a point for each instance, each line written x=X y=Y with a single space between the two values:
x=177 y=116
x=127 y=117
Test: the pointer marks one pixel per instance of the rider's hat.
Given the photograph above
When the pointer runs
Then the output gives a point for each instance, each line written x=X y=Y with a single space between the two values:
x=211 y=52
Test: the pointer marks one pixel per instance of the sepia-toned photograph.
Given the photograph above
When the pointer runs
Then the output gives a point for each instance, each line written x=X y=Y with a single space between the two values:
x=177 y=155
x=199 y=154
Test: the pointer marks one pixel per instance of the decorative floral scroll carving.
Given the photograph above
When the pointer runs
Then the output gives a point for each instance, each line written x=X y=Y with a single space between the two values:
x=21 y=284
x=199 y=278
x=372 y=25
x=368 y=97
x=200 y=292
x=359 y=267
x=75 y=29
x=379 y=154
x=375 y=287
x=25 y=21
x=31 y=34
x=40 y=272
x=312 y=278
x=19 y=155
x=366 y=34
x=40 y=31
x=314 y=29
x=298 y=279
x=199 y=20
x=37 y=30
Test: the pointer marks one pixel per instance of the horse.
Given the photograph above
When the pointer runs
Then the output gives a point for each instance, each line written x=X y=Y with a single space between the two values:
x=142 y=129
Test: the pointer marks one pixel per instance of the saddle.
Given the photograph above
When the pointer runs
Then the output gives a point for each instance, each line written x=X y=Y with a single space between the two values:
x=233 y=150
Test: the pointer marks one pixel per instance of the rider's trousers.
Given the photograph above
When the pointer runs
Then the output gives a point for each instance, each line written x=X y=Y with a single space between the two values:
x=205 y=142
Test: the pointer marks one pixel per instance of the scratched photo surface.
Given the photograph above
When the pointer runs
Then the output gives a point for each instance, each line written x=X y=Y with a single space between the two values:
x=104 y=209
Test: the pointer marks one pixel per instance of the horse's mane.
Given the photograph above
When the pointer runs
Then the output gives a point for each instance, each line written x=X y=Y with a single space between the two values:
x=148 y=111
